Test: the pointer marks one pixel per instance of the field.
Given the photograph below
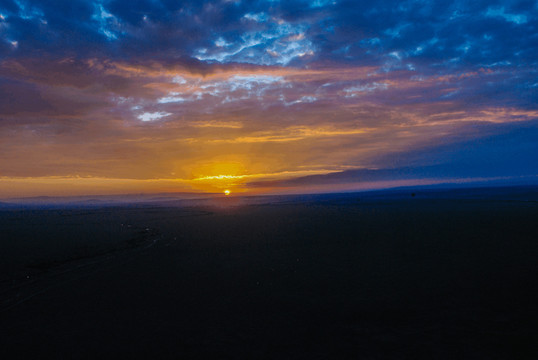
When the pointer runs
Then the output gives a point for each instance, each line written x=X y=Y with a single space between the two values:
x=438 y=274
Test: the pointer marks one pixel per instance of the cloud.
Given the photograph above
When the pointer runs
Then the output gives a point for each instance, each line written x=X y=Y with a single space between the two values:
x=500 y=12
x=148 y=89
x=271 y=41
x=419 y=35
x=495 y=156
x=147 y=116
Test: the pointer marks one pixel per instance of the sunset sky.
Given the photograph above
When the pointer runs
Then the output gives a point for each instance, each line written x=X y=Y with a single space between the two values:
x=115 y=97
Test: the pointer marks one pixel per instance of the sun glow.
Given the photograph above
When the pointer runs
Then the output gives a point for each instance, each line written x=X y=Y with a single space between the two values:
x=227 y=192
x=219 y=175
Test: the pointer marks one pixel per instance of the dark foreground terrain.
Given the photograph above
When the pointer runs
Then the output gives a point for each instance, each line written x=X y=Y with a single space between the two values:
x=439 y=275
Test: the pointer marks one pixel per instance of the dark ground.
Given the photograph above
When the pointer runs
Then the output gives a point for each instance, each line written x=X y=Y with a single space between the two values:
x=440 y=275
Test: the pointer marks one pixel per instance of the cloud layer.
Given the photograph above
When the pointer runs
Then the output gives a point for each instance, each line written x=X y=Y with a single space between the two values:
x=262 y=90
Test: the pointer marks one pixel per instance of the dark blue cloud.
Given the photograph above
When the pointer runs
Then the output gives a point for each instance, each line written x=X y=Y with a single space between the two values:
x=430 y=36
x=485 y=151
x=422 y=38
x=438 y=36
x=502 y=154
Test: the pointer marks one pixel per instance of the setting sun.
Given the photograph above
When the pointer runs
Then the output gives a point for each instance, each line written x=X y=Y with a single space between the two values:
x=227 y=192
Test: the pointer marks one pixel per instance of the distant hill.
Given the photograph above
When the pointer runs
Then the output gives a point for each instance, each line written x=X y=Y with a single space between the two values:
x=4 y=205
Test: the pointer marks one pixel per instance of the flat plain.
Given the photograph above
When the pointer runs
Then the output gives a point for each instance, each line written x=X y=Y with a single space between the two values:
x=439 y=274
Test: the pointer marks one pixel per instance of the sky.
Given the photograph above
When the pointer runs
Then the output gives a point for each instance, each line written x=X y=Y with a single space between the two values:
x=143 y=96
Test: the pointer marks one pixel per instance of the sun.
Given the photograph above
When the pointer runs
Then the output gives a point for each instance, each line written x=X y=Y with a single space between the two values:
x=227 y=192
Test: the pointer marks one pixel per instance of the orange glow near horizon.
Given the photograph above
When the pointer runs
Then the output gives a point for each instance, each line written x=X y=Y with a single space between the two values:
x=247 y=130
x=218 y=176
